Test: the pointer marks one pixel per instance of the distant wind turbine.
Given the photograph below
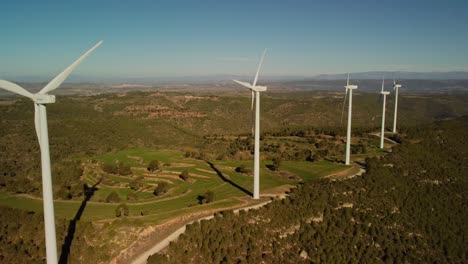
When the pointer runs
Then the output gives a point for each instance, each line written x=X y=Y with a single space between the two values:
x=382 y=132
x=40 y=100
x=395 y=88
x=349 y=87
x=255 y=89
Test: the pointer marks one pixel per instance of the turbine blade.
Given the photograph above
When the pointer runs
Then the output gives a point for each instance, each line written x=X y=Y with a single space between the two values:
x=37 y=123
x=383 y=80
x=253 y=98
x=347 y=80
x=59 y=79
x=248 y=85
x=12 y=87
x=258 y=69
x=344 y=103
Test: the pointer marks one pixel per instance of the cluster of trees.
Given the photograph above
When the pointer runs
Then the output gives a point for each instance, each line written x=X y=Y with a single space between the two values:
x=195 y=154
x=119 y=168
x=88 y=134
x=22 y=239
x=409 y=207
x=306 y=144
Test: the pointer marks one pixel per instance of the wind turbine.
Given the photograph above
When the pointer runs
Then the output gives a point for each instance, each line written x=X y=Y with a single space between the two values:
x=382 y=132
x=255 y=89
x=349 y=87
x=41 y=99
x=395 y=88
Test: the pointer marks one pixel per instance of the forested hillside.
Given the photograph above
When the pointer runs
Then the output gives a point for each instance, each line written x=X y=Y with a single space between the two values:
x=84 y=126
x=410 y=207
x=400 y=209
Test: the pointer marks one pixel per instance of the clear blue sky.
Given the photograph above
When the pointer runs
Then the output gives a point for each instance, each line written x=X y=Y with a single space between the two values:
x=181 y=38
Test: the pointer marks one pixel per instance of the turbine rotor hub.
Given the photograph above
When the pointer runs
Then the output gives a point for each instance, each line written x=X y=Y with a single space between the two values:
x=260 y=88
x=351 y=86
x=43 y=99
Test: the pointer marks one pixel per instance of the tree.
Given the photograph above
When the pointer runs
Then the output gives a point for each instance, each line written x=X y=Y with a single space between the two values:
x=122 y=210
x=109 y=168
x=135 y=184
x=113 y=197
x=276 y=163
x=124 y=169
x=208 y=197
x=242 y=169
x=153 y=166
x=161 y=188
x=184 y=175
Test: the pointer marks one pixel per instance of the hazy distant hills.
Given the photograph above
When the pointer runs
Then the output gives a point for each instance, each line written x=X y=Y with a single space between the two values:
x=222 y=78
x=199 y=79
x=412 y=82
x=454 y=75
x=374 y=85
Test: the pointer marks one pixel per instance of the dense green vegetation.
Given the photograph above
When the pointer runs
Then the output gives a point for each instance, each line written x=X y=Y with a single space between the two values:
x=110 y=159
x=410 y=207
x=112 y=122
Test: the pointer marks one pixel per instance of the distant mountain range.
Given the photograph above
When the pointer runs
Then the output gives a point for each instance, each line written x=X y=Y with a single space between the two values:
x=453 y=75
x=222 y=78
x=200 y=79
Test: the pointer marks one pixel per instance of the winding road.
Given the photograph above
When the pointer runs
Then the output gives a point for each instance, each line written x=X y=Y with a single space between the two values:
x=141 y=259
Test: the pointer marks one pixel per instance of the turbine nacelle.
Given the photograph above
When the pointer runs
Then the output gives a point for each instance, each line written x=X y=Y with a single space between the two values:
x=385 y=92
x=260 y=88
x=351 y=86
x=256 y=88
x=43 y=99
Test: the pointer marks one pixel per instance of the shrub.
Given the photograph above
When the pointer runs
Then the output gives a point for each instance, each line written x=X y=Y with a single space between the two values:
x=122 y=210
x=109 y=168
x=113 y=197
x=242 y=169
x=208 y=197
x=276 y=163
x=153 y=166
x=184 y=175
x=132 y=197
x=124 y=169
x=161 y=188
x=136 y=184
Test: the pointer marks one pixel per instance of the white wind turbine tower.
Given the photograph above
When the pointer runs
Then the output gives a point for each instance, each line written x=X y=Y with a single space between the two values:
x=382 y=132
x=40 y=100
x=255 y=89
x=349 y=87
x=395 y=88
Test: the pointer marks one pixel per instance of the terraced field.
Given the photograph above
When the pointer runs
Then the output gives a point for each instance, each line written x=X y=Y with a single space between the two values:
x=230 y=188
